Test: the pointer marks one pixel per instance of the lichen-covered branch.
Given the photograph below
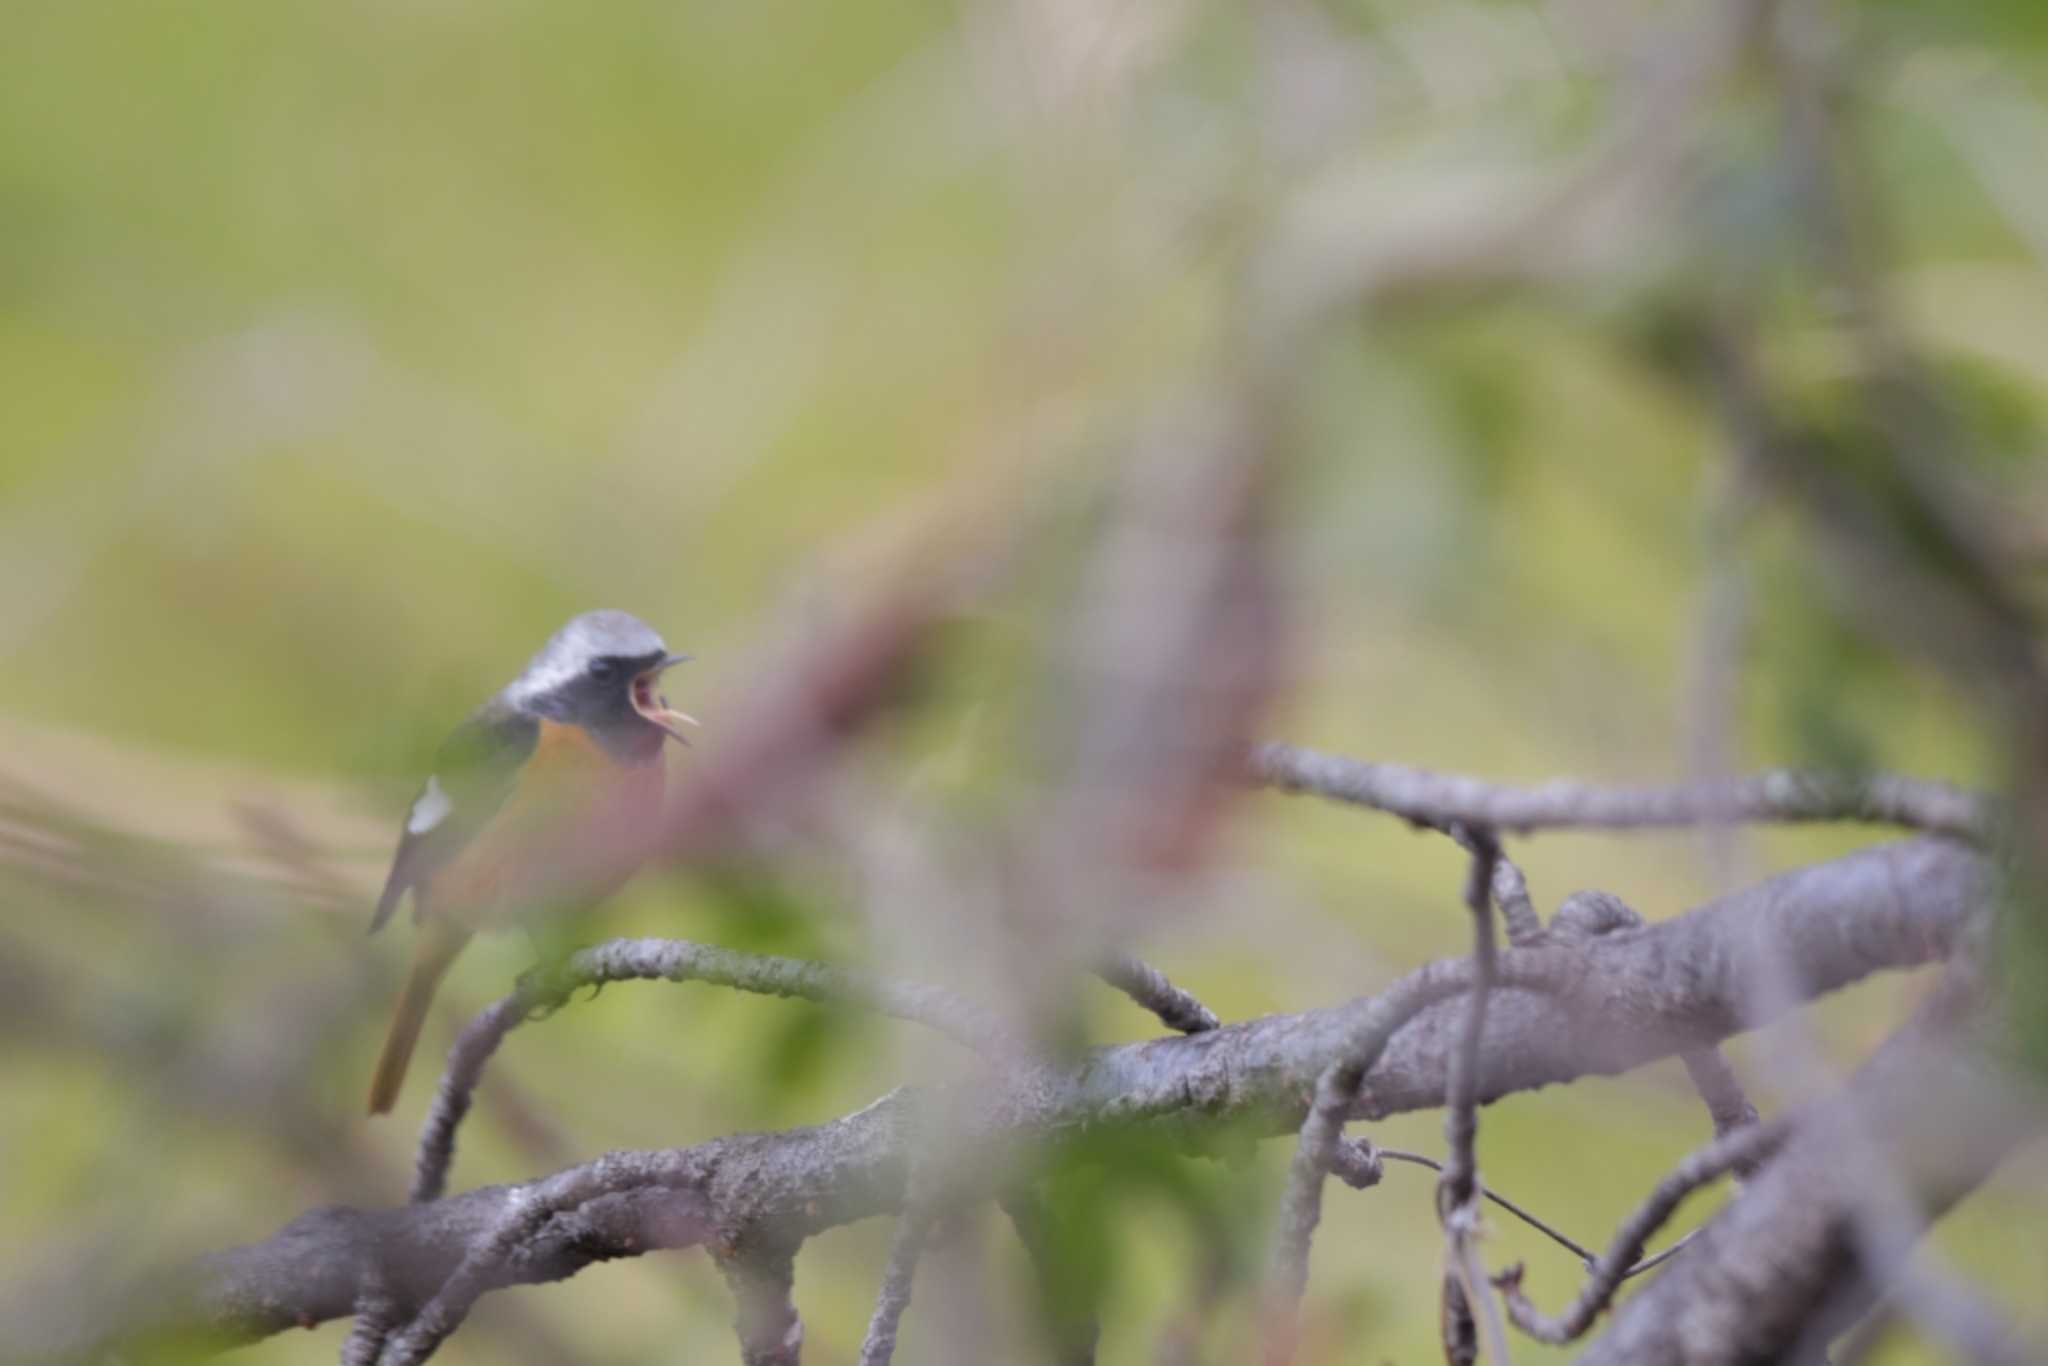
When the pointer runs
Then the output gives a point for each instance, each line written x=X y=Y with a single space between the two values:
x=1782 y=1268
x=1322 y=1132
x=1587 y=914
x=1461 y=1100
x=673 y=960
x=1517 y=912
x=1719 y=1090
x=1150 y=988
x=1441 y=800
x=1457 y=1195
x=764 y=1309
x=493 y=1259
x=1558 y=1012
x=913 y=1227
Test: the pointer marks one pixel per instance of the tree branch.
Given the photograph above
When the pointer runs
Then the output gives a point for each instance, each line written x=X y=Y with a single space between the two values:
x=764 y=1312
x=1559 y=1012
x=673 y=960
x=492 y=1260
x=1587 y=914
x=1466 y=1285
x=1744 y=1148
x=1322 y=1132
x=1150 y=988
x=1517 y=912
x=1360 y=1164
x=1718 y=1088
x=1457 y=1192
x=1782 y=1268
x=1441 y=800
x=913 y=1226
x=376 y=1316
x=1460 y=1176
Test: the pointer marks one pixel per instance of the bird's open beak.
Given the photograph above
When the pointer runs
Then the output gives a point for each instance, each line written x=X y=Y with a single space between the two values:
x=648 y=701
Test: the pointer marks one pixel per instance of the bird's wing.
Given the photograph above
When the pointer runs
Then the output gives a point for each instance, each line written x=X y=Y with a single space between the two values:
x=476 y=769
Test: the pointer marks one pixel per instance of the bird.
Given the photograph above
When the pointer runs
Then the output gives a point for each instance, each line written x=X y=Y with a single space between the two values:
x=543 y=798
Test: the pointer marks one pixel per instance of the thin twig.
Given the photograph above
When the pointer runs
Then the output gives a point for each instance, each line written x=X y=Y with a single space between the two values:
x=913 y=1227
x=674 y=960
x=1301 y=1207
x=472 y=1049
x=1461 y=1122
x=1440 y=800
x=525 y=1209
x=1564 y=1240
x=1587 y=1257
x=1715 y=1081
x=1747 y=1145
x=764 y=1310
x=1322 y=1131
x=1510 y=889
x=375 y=1317
x=1458 y=1183
x=1461 y=1250
x=1457 y=1330
x=1150 y=988
x=1517 y=912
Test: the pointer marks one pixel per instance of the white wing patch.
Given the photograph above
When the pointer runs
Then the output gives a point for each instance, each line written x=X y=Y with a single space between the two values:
x=430 y=810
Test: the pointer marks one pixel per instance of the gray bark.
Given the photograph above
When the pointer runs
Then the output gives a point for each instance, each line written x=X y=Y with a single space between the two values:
x=1614 y=1003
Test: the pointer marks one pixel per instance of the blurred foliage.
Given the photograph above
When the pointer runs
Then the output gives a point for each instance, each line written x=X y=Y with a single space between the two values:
x=349 y=349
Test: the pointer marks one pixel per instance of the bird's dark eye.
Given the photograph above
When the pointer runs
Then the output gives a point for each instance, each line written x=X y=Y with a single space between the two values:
x=606 y=669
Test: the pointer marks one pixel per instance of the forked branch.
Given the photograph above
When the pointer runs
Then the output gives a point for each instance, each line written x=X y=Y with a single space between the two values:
x=673 y=960
x=1745 y=1147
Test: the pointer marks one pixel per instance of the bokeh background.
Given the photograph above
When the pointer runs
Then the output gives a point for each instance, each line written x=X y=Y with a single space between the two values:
x=348 y=349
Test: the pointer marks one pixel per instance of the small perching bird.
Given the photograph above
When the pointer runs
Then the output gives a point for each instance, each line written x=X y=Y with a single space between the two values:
x=542 y=798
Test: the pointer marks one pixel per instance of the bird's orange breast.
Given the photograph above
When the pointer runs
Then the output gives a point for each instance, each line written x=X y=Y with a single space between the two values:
x=569 y=831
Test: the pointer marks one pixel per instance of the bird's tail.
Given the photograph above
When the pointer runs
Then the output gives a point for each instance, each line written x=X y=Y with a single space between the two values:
x=438 y=944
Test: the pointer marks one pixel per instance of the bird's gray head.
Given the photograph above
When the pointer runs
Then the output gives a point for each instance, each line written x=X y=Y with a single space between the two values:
x=602 y=671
